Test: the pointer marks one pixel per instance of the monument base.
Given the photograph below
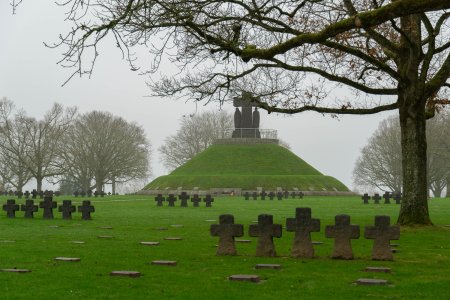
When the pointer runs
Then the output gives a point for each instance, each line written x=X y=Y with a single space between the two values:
x=233 y=141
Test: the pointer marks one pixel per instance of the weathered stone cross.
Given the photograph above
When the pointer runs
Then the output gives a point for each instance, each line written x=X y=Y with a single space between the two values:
x=208 y=200
x=226 y=230
x=159 y=200
x=342 y=232
x=48 y=205
x=67 y=209
x=171 y=199
x=376 y=198
x=255 y=195
x=302 y=225
x=365 y=198
x=11 y=207
x=184 y=197
x=280 y=195
x=271 y=195
x=29 y=208
x=86 y=209
x=386 y=197
x=196 y=200
x=263 y=195
x=382 y=233
x=265 y=230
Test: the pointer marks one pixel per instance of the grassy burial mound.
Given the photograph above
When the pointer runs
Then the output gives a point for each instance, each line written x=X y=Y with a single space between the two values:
x=247 y=167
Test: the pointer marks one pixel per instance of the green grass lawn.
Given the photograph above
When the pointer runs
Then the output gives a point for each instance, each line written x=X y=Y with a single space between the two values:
x=421 y=269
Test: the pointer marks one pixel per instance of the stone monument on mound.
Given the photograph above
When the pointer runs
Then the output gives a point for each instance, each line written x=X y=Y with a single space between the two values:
x=246 y=122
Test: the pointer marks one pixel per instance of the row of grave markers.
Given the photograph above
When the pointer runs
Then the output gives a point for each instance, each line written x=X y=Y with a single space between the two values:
x=386 y=196
x=271 y=195
x=48 y=205
x=184 y=197
x=342 y=232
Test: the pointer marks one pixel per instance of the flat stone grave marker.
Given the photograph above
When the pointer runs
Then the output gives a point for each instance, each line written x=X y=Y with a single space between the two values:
x=105 y=227
x=378 y=269
x=77 y=242
x=226 y=230
x=16 y=270
x=74 y=259
x=302 y=225
x=132 y=274
x=149 y=243
x=196 y=200
x=86 y=209
x=271 y=195
x=395 y=245
x=317 y=243
x=48 y=205
x=6 y=241
x=342 y=232
x=265 y=230
x=184 y=197
x=173 y=238
x=171 y=199
x=53 y=226
x=395 y=250
x=386 y=197
x=161 y=228
x=242 y=277
x=255 y=195
x=29 y=208
x=67 y=209
x=365 y=198
x=382 y=233
x=371 y=281
x=105 y=236
x=246 y=196
x=159 y=200
x=208 y=200
x=177 y=225
x=11 y=207
x=211 y=220
x=263 y=195
x=164 y=262
x=268 y=266
x=243 y=241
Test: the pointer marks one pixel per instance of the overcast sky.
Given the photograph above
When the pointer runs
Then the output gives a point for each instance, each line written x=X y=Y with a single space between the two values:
x=30 y=77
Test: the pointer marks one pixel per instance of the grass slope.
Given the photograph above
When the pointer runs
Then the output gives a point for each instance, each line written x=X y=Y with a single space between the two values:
x=247 y=167
x=420 y=269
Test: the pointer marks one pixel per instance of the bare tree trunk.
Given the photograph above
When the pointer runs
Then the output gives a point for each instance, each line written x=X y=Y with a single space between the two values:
x=447 y=194
x=113 y=184
x=39 y=184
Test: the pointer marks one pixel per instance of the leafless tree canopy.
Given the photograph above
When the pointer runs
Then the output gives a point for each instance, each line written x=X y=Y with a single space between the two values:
x=196 y=133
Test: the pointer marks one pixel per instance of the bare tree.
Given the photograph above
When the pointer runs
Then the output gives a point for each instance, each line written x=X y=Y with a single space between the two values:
x=105 y=149
x=393 y=55
x=13 y=146
x=44 y=142
x=380 y=163
x=196 y=133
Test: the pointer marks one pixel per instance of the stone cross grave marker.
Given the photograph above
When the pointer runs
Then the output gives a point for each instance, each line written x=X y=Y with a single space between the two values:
x=86 y=209
x=48 y=205
x=342 y=232
x=293 y=194
x=226 y=230
x=184 y=197
x=398 y=197
x=67 y=209
x=365 y=198
x=246 y=196
x=196 y=200
x=302 y=225
x=19 y=194
x=208 y=200
x=386 y=197
x=263 y=195
x=255 y=195
x=382 y=233
x=40 y=194
x=27 y=195
x=265 y=230
x=159 y=200
x=171 y=199
x=11 y=207
x=300 y=195
x=286 y=194
x=34 y=194
x=271 y=195
x=280 y=195
x=29 y=208
x=376 y=198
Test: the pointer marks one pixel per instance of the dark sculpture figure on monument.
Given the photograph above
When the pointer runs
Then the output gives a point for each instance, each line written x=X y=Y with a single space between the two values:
x=246 y=122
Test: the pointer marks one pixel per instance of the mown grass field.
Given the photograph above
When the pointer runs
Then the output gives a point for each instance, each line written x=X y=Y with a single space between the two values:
x=421 y=269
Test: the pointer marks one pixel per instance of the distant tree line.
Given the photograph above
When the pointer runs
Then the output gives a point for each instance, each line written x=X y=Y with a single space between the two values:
x=380 y=163
x=78 y=151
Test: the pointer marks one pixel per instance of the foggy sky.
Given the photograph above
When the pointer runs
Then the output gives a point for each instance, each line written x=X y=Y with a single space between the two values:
x=30 y=77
